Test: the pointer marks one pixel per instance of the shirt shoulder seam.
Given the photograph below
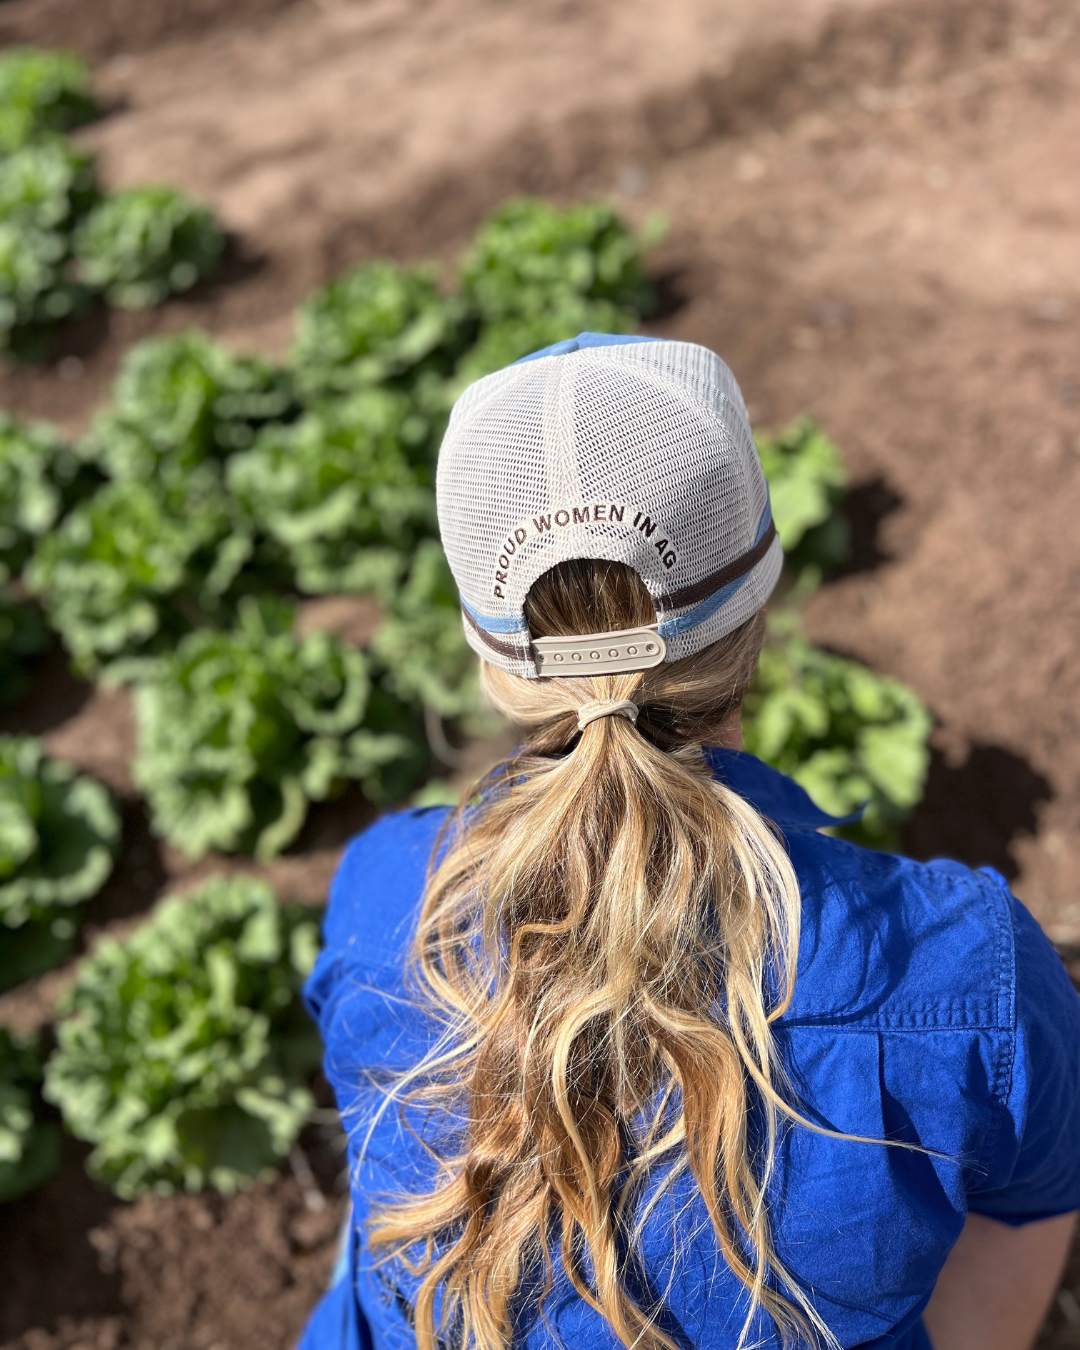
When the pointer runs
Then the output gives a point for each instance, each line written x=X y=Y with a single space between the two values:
x=998 y=899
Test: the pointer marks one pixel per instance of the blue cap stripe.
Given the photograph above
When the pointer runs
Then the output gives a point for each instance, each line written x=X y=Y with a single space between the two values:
x=692 y=618
x=510 y=624
x=583 y=340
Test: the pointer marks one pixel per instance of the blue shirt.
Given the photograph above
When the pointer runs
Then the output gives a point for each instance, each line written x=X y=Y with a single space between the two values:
x=928 y=1007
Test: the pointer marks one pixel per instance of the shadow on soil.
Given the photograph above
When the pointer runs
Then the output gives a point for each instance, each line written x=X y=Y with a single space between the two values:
x=975 y=812
x=48 y=1232
x=673 y=292
x=83 y=336
x=865 y=507
x=332 y=824
x=55 y=695
x=140 y=875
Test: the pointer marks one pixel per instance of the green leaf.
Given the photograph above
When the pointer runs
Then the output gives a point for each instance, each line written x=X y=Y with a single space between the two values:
x=180 y=401
x=421 y=643
x=145 y=244
x=137 y=565
x=40 y=479
x=850 y=737
x=807 y=481
x=183 y=1054
x=531 y=261
x=240 y=731
x=337 y=493
x=59 y=833
x=46 y=188
x=378 y=325
x=41 y=93
x=35 y=292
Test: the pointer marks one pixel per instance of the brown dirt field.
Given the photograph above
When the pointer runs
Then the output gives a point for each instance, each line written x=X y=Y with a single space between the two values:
x=873 y=219
x=166 y=1273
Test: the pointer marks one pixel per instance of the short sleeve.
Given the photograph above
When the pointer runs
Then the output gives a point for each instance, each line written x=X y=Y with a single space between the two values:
x=370 y=1028
x=372 y=906
x=1034 y=1172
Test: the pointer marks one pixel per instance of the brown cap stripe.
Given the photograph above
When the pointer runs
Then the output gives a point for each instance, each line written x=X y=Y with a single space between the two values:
x=701 y=590
x=503 y=648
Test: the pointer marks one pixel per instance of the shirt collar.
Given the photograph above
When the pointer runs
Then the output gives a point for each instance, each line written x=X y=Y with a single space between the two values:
x=776 y=796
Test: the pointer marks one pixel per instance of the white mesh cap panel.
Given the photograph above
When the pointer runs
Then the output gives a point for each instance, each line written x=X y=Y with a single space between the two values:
x=634 y=452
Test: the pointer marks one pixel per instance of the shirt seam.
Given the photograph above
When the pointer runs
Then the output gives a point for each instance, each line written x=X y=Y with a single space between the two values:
x=878 y=1025
x=1000 y=906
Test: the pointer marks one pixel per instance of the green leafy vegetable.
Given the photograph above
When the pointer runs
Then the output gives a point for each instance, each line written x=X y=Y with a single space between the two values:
x=179 y=401
x=849 y=736
x=531 y=261
x=34 y=291
x=59 y=832
x=421 y=643
x=145 y=244
x=134 y=567
x=42 y=92
x=160 y=550
x=47 y=187
x=29 y=1147
x=338 y=495
x=183 y=1053
x=44 y=191
x=807 y=481
x=40 y=477
x=239 y=731
x=378 y=325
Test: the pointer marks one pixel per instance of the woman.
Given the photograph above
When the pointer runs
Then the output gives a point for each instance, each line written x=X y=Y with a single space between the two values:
x=628 y=1051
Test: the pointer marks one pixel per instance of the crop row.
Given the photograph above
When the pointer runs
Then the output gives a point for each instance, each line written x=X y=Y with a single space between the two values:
x=62 y=240
x=170 y=547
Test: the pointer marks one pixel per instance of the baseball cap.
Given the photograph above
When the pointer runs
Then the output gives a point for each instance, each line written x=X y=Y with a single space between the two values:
x=630 y=449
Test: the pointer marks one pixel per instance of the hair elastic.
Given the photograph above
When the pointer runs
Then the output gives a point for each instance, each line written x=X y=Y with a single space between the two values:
x=592 y=712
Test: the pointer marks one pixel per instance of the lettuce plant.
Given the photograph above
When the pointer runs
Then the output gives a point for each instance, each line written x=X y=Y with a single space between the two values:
x=34 y=290
x=807 y=480
x=183 y=1053
x=59 y=832
x=179 y=401
x=137 y=565
x=531 y=260
x=29 y=1147
x=852 y=738
x=379 y=324
x=40 y=477
x=337 y=494
x=145 y=244
x=240 y=731
x=40 y=93
x=421 y=644
x=44 y=190
x=537 y=275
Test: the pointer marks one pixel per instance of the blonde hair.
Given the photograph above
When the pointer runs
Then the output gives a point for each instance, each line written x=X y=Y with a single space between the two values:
x=606 y=938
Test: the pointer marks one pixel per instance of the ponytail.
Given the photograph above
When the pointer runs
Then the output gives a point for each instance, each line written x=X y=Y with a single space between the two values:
x=605 y=940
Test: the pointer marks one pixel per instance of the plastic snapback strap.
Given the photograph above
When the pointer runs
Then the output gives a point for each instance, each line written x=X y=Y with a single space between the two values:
x=616 y=653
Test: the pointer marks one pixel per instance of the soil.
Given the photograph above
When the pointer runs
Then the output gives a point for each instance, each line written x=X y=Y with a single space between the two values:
x=873 y=218
x=165 y=1273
